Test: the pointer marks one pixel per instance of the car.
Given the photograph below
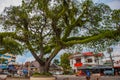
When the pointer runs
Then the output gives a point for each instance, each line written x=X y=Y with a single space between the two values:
x=108 y=72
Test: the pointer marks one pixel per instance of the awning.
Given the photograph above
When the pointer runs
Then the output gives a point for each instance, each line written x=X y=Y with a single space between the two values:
x=11 y=67
x=3 y=66
x=101 y=67
x=95 y=67
x=85 y=67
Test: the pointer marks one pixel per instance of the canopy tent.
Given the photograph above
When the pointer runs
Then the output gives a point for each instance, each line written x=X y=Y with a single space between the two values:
x=85 y=67
x=95 y=67
x=12 y=68
x=3 y=66
x=102 y=67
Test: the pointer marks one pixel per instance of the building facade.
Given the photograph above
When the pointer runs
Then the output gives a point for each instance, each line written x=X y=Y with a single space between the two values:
x=85 y=60
x=9 y=58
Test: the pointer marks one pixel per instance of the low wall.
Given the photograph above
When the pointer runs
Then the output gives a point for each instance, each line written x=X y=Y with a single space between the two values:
x=42 y=78
x=2 y=76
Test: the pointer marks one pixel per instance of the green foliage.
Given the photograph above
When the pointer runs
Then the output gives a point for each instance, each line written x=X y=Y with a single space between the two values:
x=56 y=61
x=36 y=74
x=116 y=15
x=3 y=61
x=10 y=45
x=65 y=62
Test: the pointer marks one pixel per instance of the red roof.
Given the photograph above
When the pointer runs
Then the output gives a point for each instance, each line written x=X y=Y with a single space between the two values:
x=88 y=53
x=99 y=54
x=71 y=56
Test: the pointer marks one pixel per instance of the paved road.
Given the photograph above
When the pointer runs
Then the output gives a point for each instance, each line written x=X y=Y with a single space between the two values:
x=92 y=78
x=72 y=77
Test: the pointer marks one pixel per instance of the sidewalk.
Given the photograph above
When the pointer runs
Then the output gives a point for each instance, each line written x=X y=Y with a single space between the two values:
x=9 y=78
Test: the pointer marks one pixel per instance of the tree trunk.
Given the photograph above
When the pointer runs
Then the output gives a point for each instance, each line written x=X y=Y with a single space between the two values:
x=44 y=68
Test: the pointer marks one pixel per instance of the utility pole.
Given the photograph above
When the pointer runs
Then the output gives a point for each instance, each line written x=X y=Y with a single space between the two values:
x=110 y=50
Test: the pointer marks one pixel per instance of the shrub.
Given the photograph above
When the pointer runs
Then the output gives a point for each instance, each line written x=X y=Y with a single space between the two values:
x=36 y=74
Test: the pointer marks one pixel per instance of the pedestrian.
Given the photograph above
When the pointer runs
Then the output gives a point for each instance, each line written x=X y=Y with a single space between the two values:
x=19 y=72
x=88 y=75
x=25 y=72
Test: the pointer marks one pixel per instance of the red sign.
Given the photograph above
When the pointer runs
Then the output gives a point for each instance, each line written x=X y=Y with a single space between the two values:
x=78 y=64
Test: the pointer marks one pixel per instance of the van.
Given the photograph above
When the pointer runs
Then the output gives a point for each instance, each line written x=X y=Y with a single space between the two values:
x=108 y=72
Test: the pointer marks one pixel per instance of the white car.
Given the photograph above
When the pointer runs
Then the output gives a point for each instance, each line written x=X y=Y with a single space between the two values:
x=109 y=72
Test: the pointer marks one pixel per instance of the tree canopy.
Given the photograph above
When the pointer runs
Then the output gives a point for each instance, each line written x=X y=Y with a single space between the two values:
x=9 y=45
x=45 y=27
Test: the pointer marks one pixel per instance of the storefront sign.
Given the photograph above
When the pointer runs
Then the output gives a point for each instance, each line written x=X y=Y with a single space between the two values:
x=78 y=64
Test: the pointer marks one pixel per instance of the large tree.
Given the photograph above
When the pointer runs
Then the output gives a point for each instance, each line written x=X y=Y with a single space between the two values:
x=45 y=27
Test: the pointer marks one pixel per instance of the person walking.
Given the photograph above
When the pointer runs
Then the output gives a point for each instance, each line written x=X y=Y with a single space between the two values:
x=88 y=75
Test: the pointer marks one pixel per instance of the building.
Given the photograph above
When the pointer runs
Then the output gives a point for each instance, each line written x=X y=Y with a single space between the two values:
x=116 y=61
x=85 y=60
x=9 y=58
x=55 y=69
x=35 y=67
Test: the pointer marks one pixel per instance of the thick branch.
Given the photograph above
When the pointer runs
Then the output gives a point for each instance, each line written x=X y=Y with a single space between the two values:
x=69 y=28
x=107 y=34
x=53 y=54
x=34 y=54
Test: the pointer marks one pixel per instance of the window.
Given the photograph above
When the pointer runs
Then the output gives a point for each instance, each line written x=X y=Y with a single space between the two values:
x=12 y=60
x=78 y=60
x=89 y=60
x=13 y=57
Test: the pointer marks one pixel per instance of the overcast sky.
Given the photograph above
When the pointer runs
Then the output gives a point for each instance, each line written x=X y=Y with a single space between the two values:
x=114 y=4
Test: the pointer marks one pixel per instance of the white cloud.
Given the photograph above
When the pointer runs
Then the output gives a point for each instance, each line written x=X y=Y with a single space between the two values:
x=7 y=3
x=30 y=59
x=20 y=59
x=23 y=59
x=116 y=50
x=115 y=4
